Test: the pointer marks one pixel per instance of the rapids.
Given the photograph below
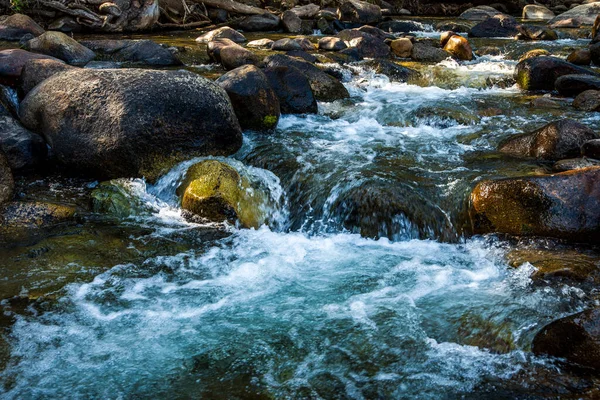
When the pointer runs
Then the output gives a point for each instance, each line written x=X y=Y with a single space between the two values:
x=152 y=306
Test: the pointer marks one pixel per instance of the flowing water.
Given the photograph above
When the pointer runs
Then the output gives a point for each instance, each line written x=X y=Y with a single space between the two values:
x=365 y=283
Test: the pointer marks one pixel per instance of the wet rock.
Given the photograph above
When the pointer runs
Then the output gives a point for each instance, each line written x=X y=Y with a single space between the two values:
x=488 y=51
x=376 y=32
x=402 y=47
x=59 y=45
x=426 y=53
x=293 y=89
x=479 y=13
x=324 y=86
x=500 y=25
x=255 y=103
x=557 y=263
x=359 y=12
x=574 y=163
x=21 y=219
x=137 y=122
x=396 y=26
x=572 y=85
x=396 y=72
x=445 y=36
x=22 y=148
x=564 y=205
x=7 y=184
x=331 y=44
x=291 y=22
x=595 y=53
x=541 y=73
x=584 y=14
x=230 y=54
x=554 y=141
x=588 y=100
x=580 y=57
x=12 y=62
x=144 y=52
x=534 y=53
x=459 y=47
x=369 y=47
x=575 y=338
x=286 y=44
x=537 y=12
x=37 y=70
x=303 y=55
x=545 y=102
x=452 y=26
x=565 y=24
x=260 y=23
x=216 y=191
x=261 y=44
x=528 y=32
x=120 y=198
x=325 y=27
x=591 y=149
x=18 y=25
x=224 y=32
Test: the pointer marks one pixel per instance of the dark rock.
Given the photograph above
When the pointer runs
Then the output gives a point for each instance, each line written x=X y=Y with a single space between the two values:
x=541 y=73
x=12 y=62
x=480 y=13
x=144 y=52
x=331 y=44
x=230 y=54
x=376 y=32
x=554 y=141
x=575 y=338
x=218 y=15
x=324 y=86
x=572 y=85
x=286 y=44
x=426 y=53
x=396 y=72
x=574 y=163
x=18 y=25
x=488 y=51
x=7 y=184
x=37 y=70
x=20 y=220
x=580 y=57
x=293 y=90
x=325 y=27
x=564 y=205
x=22 y=148
x=591 y=149
x=59 y=45
x=359 y=12
x=452 y=26
x=303 y=55
x=222 y=33
x=595 y=53
x=587 y=101
x=370 y=47
x=130 y=122
x=254 y=101
x=396 y=26
x=499 y=25
x=65 y=24
x=291 y=22
x=260 y=23
x=528 y=32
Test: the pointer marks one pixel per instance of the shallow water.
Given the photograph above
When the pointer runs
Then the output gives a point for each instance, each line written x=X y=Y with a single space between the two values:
x=151 y=305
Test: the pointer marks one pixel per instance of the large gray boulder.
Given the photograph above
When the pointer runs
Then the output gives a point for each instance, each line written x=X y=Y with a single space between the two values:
x=584 y=14
x=131 y=122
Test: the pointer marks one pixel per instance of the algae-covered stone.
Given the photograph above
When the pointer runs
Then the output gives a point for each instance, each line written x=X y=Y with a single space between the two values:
x=216 y=191
x=121 y=198
x=22 y=220
x=540 y=73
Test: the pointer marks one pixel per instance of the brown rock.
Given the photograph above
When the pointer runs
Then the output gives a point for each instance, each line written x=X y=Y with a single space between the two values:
x=59 y=45
x=459 y=47
x=18 y=25
x=12 y=62
x=402 y=47
x=588 y=101
x=37 y=70
x=580 y=57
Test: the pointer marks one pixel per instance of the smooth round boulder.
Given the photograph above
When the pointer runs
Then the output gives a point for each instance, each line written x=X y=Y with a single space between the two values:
x=402 y=47
x=130 y=122
x=331 y=44
x=564 y=205
x=587 y=101
x=260 y=23
x=541 y=73
x=255 y=103
x=459 y=47
x=369 y=47
x=575 y=338
x=479 y=13
x=537 y=12
x=452 y=26
x=224 y=32
x=580 y=57
x=12 y=62
x=500 y=25
x=572 y=85
x=293 y=89
x=324 y=86
x=554 y=141
x=260 y=44
x=359 y=12
x=61 y=46
x=591 y=149
x=7 y=184
x=22 y=148
x=36 y=71
x=14 y=27
x=286 y=44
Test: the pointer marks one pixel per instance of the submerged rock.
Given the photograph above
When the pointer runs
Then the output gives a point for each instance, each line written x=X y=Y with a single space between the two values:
x=393 y=71
x=19 y=220
x=572 y=85
x=554 y=141
x=7 y=184
x=216 y=191
x=541 y=73
x=137 y=122
x=61 y=46
x=23 y=149
x=528 y=32
x=293 y=90
x=325 y=87
x=565 y=205
x=396 y=26
x=121 y=198
x=575 y=338
x=359 y=12
x=36 y=71
x=255 y=103
x=145 y=52
x=557 y=264
x=500 y=25
x=224 y=32
x=16 y=26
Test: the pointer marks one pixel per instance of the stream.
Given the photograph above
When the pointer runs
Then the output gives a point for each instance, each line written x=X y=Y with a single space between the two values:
x=149 y=305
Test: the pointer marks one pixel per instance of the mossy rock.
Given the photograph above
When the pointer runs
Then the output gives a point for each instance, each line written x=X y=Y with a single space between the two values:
x=214 y=190
x=118 y=198
x=20 y=220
